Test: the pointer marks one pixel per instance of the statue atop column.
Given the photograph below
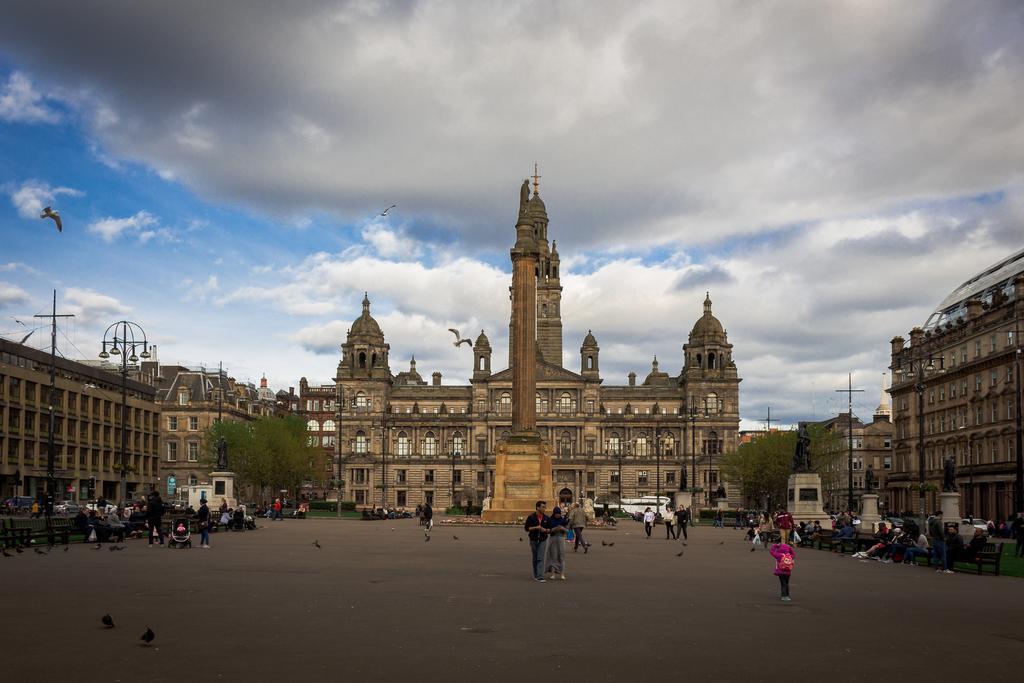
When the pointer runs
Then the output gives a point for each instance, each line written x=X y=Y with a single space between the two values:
x=682 y=478
x=524 y=196
x=869 y=479
x=949 y=475
x=802 y=455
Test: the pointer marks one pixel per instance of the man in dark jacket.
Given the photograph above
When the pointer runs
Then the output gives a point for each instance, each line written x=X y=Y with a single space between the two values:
x=937 y=539
x=538 y=525
x=204 y=524
x=154 y=515
x=428 y=517
x=683 y=520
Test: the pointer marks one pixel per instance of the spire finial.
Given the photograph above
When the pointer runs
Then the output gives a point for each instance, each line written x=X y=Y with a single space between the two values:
x=536 y=179
x=707 y=302
x=366 y=302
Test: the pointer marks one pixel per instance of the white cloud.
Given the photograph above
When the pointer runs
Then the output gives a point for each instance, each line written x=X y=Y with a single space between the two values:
x=200 y=291
x=111 y=228
x=390 y=243
x=21 y=102
x=12 y=295
x=89 y=306
x=30 y=197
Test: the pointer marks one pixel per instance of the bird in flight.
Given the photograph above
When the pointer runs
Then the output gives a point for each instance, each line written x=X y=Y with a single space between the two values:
x=148 y=636
x=458 y=338
x=385 y=211
x=108 y=621
x=50 y=213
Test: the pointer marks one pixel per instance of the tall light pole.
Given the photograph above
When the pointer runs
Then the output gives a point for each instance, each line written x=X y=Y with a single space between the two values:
x=1018 y=490
x=849 y=391
x=50 y=478
x=916 y=366
x=124 y=338
x=692 y=415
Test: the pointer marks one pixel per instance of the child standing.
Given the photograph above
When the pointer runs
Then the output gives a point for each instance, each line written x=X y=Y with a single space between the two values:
x=785 y=560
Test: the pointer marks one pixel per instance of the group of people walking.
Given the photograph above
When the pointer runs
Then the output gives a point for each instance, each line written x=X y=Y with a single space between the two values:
x=548 y=539
x=675 y=521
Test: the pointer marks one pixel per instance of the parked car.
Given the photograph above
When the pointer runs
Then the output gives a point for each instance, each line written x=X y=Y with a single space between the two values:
x=105 y=510
x=66 y=507
x=977 y=523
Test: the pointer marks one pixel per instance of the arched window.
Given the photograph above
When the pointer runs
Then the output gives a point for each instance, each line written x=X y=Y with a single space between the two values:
x=505 y=403
x=329 y=426
x=458 y=443
x=430 y=444
x=698 y=361
x=668 y=445
x=711 y=361
x=642 y=446
x=712 y=446
x=361 y=441
x=480 y=363
x=361 y=400
x=505 y=435
x=403 y=443
x=590 y=362
x=543 y=310
x=712 y=404
x=313 y=426
x=565 y=403
x=373 y=362
x=362 y=359
x=542 y=404
x=614 y=443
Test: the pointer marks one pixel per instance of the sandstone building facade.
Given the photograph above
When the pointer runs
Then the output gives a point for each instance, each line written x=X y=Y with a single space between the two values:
x=962 y=367
x=403 y=441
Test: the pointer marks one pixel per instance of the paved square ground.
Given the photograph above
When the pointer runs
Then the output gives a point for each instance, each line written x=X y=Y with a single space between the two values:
x=378 y=603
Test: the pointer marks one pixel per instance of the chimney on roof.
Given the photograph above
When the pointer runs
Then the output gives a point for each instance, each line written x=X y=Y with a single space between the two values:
x=437 y=379
x=632 y=379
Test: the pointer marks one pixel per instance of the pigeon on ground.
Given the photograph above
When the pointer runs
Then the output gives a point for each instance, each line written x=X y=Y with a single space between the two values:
x=148 y=636
x=612 y=544
x=316 y=543
x=67 y=548
x=38 y=551
x=427 y=539
x=18 y=550
x=604 y=542
x=721 y=543
x=679 y=554
x=6 y=554
x=50 y=213
x=455 y=537
x=753 y=550
x=520 y=539
x=108 y=621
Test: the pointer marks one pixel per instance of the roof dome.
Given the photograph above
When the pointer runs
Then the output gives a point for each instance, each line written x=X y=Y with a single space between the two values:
x=536 y=206
x=707 y=324
x=656 y=376
x=482 y=340
x=365 y=325
x=589 y=339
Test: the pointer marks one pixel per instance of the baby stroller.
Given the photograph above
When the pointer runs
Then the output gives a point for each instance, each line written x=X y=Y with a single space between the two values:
x=181 y=536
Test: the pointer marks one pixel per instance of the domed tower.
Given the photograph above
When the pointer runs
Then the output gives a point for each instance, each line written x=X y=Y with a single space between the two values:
x=589 y=367
x=708 y=352
x=482 y=357
x=364 y=354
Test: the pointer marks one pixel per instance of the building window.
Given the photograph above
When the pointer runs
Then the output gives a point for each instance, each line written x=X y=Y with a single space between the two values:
x=182 y=398
x=641 y=478
x=430 y=444
x=541 y=404
x=565 y=404
x=172 y=423
x=328 y=426
x=329 y=440
x=400 y=498
x=712 y=403
x=401 y=476
x=590 y=407
x=428 y=476
x=615 y=477
x=977 y=382
x=641 y=445
x=193 y=451
x=428 y=497
x=193 y=424
x=172 y=451
x=670 y=477
x=360 y=497
x=458 y=443
x=312 y=426
x=361 y=400
x=193 y=480
x=457 y=477
x=361 y=443
x=403 y=443
x=614 y=445
x=481 y=479
x=309 y=406
x=505 y=404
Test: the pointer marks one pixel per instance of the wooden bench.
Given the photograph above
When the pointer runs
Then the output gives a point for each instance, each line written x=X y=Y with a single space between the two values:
x=989 y=555
x=36 y=529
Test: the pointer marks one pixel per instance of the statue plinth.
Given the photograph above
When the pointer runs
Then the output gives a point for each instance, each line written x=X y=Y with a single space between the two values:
x=682 y=498
x=522 y=476
x=869 y=516
x=223 y=488
x=949 y=503
x=803 y=500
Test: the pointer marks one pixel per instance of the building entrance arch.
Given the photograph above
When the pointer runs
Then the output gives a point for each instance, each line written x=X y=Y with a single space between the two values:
x=565 y=497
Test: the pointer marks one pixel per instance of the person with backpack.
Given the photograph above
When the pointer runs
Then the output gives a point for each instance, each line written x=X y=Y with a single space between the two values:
x=785 y=561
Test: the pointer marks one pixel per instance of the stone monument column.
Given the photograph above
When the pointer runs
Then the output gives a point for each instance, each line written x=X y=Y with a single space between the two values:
x=522 y=467
x=803 y=499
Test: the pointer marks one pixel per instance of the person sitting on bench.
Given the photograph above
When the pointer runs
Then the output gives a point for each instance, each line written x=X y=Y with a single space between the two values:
x=973 y=547
x=920 y=547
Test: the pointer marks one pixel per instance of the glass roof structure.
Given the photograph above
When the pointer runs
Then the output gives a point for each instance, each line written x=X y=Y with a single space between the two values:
x=981 y=287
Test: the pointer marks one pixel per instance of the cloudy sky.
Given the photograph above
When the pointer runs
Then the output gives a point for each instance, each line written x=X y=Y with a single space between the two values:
x=829 y=171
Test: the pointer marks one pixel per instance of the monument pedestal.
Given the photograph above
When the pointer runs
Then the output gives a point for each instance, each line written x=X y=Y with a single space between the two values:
x=522 y=476
x=804 y=498
x=949 y=503
x=869 y=516
x=223 y=488
x=722 y=505
x=683 y=498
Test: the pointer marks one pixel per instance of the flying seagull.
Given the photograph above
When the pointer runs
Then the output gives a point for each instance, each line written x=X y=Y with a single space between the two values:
x=458 y=338
x=25 y=338
x=385 y=211
x=50 y=213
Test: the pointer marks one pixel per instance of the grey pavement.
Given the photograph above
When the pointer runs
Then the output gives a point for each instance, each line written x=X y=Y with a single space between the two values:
x=377 y=603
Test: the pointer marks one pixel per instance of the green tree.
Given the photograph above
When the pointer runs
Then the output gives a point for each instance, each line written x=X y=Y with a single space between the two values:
x=270 y=454
x=762 y=467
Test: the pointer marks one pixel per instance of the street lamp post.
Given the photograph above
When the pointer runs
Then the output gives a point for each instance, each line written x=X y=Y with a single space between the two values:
x=124 y=338
x=917 y=365
x=692 y=415
x=384 y=455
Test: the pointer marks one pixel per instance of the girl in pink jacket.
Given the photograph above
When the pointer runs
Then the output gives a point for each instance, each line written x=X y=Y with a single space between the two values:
x=785 y=560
